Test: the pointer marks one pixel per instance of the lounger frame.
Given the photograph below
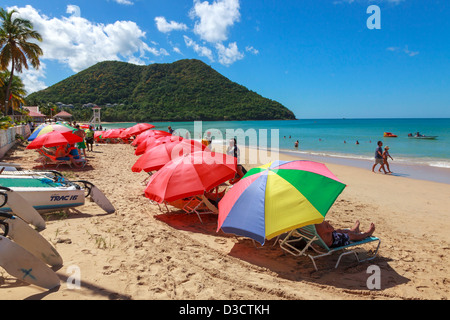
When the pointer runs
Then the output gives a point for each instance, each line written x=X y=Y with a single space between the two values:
x=311 y=237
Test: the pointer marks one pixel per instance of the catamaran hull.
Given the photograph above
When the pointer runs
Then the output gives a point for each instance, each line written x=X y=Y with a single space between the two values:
x=50 y=199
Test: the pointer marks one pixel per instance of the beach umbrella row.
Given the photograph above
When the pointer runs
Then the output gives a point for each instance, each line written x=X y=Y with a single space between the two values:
x=185 y=167
x=268 y=201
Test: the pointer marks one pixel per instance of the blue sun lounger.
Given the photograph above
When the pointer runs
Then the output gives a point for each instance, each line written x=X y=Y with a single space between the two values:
x=312 y=239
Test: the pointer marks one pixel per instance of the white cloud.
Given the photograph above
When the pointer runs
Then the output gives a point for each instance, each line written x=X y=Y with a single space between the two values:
x=405 y=50
x=126 y=2
x=201 y=51
x=215 y=18
x=410 y=53
x=80 y=43
x=177 y=50
x=74 y=10
x=165 y=27
x=228 y=55
x=251 y=50
x=32 y=78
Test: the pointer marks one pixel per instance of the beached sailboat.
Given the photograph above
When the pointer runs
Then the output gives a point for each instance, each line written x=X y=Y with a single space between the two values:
x=49 y=191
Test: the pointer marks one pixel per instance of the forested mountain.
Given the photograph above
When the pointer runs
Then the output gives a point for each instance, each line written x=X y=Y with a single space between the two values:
x=184 y=90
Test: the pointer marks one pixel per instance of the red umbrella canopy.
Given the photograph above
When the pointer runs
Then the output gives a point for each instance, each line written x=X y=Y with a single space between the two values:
x=53 y=139
x=124 y=134
x=112 y=134
x=139 y=128
x=190 y=175
x=151 y=142
x=149 y=133
x=97 y=134
x=155 y=158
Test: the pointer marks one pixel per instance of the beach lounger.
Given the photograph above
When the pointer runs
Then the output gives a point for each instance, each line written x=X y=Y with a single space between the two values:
x=51 y=159
x=311 y=239
x=200 y=205
x=46 y=159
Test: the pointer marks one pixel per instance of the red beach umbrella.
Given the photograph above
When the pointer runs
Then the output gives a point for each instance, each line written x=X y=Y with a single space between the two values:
x=153 y=142
x=149 y=133
x=97 y=134
x=155 y=158
x=190 y=175
x=112 y=134
x=53 y=139
x=139 y=128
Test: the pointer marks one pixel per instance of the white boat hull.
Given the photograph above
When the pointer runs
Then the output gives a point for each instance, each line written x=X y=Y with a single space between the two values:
x=48 y=199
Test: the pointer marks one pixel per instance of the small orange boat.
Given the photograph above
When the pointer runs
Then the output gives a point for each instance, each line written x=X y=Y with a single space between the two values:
x=389 y=135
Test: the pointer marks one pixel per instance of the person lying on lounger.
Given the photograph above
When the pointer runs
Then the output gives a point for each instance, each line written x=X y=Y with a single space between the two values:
x=335 y=238
x=62 y=153
x=74 y=155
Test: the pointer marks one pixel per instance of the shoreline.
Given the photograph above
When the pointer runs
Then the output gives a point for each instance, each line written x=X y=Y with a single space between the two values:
x=405 y=170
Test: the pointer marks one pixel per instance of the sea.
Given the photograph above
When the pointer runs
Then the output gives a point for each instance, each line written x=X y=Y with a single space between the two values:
x=341 y=141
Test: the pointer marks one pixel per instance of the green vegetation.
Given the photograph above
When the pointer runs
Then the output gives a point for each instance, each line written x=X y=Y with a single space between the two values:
x=16 y=51
x=185 y=90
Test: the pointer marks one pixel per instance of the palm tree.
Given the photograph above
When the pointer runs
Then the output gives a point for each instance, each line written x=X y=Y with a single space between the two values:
x=17 y=89
x=15 y=49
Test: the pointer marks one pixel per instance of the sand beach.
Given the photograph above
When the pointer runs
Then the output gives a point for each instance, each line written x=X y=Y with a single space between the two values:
x=143 y=253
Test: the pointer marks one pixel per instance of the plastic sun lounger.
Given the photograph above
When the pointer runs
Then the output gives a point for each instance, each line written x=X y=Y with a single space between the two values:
x=200 y=205
x=310 y=236
x=49 y=159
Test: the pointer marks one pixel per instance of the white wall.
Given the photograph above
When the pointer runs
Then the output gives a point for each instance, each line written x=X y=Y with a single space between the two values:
x=8 y=137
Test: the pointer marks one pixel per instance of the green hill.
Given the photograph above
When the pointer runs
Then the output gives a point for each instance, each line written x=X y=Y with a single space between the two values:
x=185 y=90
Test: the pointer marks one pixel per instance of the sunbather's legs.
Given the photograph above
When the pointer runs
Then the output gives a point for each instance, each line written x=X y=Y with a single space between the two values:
x=354 y=229
x=360 y=236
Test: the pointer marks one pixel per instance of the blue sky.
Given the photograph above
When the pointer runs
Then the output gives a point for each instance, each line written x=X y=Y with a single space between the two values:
x=316 y=57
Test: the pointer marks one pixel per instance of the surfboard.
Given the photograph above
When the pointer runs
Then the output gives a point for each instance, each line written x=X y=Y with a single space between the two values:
x=22 y=234
x=101 y=200
x=24 y=266
x=23 y=209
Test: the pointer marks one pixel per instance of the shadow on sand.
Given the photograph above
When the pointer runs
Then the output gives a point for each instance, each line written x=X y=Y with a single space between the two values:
x=350 y=275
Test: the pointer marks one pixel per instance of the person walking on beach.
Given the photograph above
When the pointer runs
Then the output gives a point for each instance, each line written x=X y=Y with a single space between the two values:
x=386 y=155
x=379 y=157
x=82 y=134
x=90 y=138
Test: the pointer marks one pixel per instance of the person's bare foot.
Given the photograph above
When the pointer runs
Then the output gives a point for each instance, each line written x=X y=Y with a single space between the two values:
x=356 y=226
x=371 y=229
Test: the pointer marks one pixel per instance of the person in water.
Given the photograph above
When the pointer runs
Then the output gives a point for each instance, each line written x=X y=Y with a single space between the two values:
x=335 y=238
x=296 y=144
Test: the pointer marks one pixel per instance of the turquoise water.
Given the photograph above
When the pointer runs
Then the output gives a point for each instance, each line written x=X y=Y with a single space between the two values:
x=325 y=137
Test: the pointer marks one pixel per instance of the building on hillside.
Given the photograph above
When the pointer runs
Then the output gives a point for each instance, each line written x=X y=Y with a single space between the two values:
x=35 y=114
x=63 y=116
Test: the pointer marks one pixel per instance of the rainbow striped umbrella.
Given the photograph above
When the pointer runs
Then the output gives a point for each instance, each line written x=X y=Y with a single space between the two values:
x=278 y=197
x=46 y=128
